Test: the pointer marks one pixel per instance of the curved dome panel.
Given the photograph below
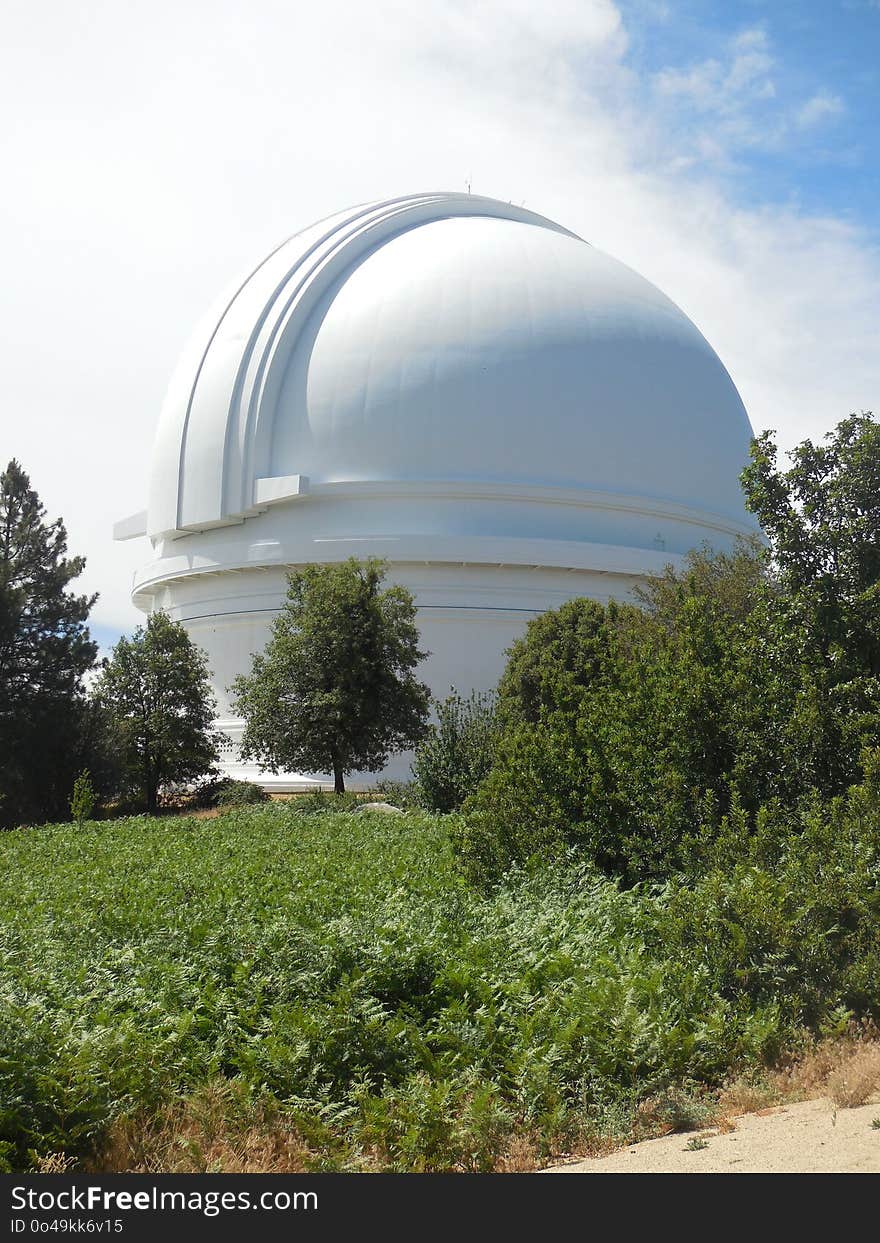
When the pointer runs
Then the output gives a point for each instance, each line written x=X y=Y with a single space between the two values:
x=445 y=338
x=497 y=350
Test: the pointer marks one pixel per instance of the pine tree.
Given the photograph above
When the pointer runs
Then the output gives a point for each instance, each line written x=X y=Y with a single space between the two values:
x=45 y=649
x=157 y=689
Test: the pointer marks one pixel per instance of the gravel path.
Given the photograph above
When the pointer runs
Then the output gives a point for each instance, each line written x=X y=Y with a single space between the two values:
x=809 y=1137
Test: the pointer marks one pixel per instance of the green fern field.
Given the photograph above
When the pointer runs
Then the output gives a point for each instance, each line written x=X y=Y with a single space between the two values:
x=332 y=980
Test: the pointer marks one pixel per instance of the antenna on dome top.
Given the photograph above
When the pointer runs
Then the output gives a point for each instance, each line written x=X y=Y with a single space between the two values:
x=469 y=182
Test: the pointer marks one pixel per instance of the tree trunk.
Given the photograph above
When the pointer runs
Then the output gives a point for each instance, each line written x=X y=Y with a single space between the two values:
x=338 y=779
x=151 y=789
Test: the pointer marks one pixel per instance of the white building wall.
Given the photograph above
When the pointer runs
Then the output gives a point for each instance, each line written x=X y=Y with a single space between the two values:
x=468 y=617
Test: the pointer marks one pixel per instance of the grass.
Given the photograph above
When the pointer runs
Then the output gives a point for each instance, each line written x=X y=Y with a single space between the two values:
x=272 y=990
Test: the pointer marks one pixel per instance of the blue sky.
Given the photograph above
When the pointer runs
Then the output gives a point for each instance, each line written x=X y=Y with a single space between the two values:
x=802 y=121
x=155 y=150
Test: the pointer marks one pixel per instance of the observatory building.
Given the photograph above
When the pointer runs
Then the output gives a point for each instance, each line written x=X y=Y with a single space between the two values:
x=505 y=414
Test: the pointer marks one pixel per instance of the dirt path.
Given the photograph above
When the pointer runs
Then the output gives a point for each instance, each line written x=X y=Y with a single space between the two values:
x=809 y=1137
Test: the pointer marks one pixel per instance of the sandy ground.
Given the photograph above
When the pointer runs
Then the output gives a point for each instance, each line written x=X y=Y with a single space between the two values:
x=810 y=1137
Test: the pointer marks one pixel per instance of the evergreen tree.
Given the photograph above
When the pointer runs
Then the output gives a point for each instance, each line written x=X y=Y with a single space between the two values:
x=334 y=690
x=157 y=689
x=45 y=649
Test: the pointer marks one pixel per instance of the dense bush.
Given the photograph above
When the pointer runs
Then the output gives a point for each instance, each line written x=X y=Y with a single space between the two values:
x=743 y=681
x=224 y=792
x=625 y=727
x=341 y=972
x=403 y=794
x=232 y=793
x=320 y=802
x=458 y=752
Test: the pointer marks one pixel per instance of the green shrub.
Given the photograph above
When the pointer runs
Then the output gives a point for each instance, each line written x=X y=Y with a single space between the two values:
x=791 y=915
x=624 y=727
x=228 y=792
x=403 y=794
x=318 y=802
x=458 y=753
x=83 y=799
x=234 y=793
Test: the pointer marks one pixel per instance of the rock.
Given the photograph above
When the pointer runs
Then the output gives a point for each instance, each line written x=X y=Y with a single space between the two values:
x=386 y=808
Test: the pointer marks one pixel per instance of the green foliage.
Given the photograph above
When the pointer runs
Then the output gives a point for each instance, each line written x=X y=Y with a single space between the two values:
x=793 y=906
x=45 y=650
x=322 y=801
x=403 y=794
x=83 y=799
x=335 y=690
x=356 y=984
x=822 y=517
x=741 y=683
x=157 y=691
x=228 y=792
x=458 y=752
x=621 y=724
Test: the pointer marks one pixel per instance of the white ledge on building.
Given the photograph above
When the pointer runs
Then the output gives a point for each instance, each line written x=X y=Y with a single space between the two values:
x=132 y=527
x=280 y=488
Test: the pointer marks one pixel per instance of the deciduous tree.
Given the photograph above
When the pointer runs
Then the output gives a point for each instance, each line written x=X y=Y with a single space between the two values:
x=335 y=690
x=156 y=685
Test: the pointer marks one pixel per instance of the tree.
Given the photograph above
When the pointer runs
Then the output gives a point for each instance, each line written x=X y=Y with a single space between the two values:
x=822 y=517
x=156 y=686
x=745 y=682
x=628 y=733
x=335 y=690
x=45 y=650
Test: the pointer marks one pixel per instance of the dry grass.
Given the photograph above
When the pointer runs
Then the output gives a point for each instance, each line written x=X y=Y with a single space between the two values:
x=54 y=1163
x=857 y=1080
x=671 y=1112
x=846 y=1069
x=215 y=1131
x=743 y=1096
x=218 y=1131
x=521 y=1156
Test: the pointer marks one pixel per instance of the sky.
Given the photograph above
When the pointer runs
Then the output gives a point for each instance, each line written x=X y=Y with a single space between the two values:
x=152 y=152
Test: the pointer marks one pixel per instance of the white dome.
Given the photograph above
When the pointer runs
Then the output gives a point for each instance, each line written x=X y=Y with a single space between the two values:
x=445 y=337
x=507 y=416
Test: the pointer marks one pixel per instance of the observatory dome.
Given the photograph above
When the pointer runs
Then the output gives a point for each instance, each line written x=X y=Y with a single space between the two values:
x=508 y=416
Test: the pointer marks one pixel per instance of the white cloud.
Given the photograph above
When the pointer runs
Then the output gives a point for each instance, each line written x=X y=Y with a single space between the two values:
x=728 y=84
x=159 y=149
x=818 y=108
x=732 y=105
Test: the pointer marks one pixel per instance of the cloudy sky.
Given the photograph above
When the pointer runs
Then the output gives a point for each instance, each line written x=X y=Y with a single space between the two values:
x=726 y=149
